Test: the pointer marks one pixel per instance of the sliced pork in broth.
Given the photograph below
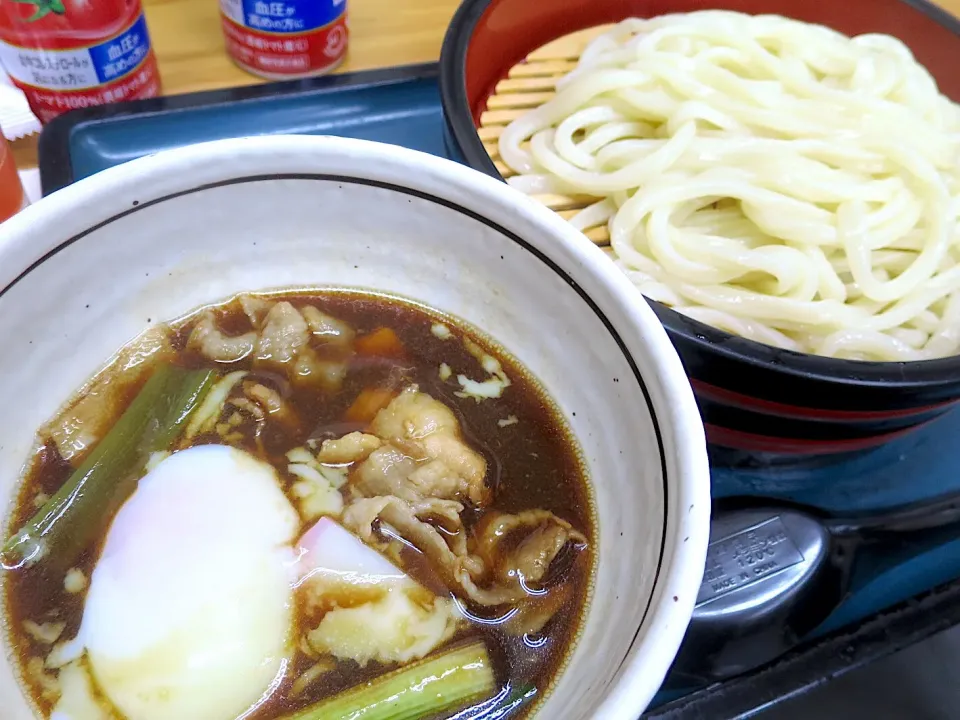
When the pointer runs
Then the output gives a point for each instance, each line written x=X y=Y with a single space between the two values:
x=295 y=507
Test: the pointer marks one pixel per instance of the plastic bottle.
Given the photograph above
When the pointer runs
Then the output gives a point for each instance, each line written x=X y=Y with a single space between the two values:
x=12 y=197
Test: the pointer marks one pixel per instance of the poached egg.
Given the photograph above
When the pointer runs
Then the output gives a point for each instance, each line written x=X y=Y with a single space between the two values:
x=189 y=610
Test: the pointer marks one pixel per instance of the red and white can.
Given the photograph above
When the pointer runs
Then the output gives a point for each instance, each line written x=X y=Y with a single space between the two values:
x=283 y=39
x=69 y=54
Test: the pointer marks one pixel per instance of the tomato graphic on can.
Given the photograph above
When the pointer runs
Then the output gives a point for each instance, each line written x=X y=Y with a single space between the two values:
x=68 y=54
x=285 y=38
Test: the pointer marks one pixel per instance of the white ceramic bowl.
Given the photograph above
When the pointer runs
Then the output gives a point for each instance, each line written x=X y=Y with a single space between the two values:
x=84 y=271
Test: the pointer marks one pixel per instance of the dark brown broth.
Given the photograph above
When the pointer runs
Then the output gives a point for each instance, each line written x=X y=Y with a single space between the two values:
x=531 y=464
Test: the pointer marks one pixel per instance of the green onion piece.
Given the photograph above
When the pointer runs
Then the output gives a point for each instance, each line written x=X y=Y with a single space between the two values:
x=504 y=704
x=446 y=681
x=80 y=510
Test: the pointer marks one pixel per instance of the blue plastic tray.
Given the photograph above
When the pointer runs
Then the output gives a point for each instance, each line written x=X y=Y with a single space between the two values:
x=402 y=106
x=399 y=106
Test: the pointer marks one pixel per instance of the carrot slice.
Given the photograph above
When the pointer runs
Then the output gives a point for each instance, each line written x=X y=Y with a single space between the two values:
x=383 y=342
x=369 y=402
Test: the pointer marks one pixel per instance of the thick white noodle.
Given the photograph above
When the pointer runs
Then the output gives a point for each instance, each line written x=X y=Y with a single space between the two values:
x=772 y=178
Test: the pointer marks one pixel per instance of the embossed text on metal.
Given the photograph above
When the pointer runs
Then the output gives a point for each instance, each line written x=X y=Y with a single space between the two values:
x=747 y=556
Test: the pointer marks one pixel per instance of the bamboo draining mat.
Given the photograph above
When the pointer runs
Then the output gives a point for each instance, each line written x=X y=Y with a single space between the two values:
x=529 y=84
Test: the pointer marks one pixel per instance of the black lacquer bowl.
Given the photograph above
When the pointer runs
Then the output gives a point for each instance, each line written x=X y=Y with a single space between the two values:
x=758 y=402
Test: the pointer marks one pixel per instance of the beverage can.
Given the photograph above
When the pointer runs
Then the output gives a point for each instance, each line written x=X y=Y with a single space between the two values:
x=69 y=54
x=285 y=38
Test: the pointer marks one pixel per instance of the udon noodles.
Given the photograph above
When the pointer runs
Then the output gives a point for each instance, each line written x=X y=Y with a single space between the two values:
x=772 y=178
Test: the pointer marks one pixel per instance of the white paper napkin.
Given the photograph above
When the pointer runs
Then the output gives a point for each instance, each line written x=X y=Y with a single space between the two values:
x=17 y=121
x=31 y=184
x=16 y=118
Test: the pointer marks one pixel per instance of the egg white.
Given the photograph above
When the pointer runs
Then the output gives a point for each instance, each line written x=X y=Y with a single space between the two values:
x=189 y=610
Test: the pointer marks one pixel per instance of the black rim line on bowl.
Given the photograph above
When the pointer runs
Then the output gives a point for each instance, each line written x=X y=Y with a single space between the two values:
x=769 y=363
x=138 y=206
x=56 y=170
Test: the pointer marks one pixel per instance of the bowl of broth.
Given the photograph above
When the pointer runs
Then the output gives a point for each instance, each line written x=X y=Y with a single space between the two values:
x=729 y=156
x=316 y=428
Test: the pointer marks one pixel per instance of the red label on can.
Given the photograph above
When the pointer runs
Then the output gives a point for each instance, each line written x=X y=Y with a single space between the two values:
x=69 y=54
x=290 y=37
x=47 y=104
